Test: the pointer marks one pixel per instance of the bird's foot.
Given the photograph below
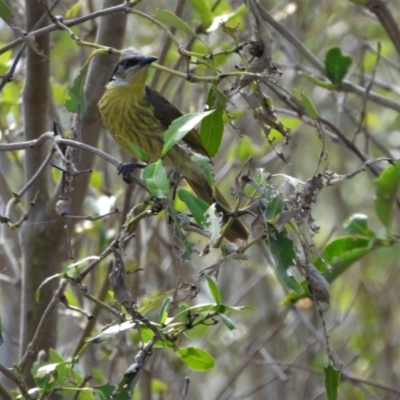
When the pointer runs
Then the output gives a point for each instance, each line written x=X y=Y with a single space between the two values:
x=125 y=169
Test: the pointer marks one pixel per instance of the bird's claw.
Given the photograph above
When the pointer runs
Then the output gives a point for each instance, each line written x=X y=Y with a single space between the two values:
x=125 y=169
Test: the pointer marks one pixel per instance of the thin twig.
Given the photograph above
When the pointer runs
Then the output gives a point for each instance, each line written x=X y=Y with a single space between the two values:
x=40 y=330
x=10 y=374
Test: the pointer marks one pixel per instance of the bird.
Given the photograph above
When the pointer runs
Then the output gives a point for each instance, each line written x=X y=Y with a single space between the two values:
x=133 y=112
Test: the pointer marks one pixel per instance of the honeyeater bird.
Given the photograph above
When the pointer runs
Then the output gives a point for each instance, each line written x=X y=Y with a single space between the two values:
x=133 y=112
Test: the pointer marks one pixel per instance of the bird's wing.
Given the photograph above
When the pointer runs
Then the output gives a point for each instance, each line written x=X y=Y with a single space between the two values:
x=166 y=113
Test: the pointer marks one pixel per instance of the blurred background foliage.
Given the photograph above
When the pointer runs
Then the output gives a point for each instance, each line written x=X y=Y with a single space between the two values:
x=276 y=351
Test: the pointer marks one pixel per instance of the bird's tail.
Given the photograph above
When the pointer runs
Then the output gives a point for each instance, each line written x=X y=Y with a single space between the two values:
x=203 y=190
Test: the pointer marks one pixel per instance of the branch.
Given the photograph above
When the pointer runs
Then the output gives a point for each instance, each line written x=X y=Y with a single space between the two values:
x=10 y=374
x=125 y=7
x=345 y=86
x=385 y=16
x=31 y=348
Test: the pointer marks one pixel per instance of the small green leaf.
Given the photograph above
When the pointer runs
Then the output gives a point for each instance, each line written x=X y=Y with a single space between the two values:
x=341 y=253
x=74 y=266
x=227 y=322
x=331 y=382
x=336 y=65
x=274 y=208
x=124 y=389
x=303 y=100
x=318 y=82
x=282 y=249
x=169 y=18
x=198 y=309
x=5 y=12
x=111 y=332
x=387 y=185
x=46 y=377
x=214 y=289
x=357 y=224
x=183 y=314
x=237 y=308
x=77 y=102
x=196 y=359
x=148 y=304
x=196 y=206
x=48 y=279
x=73 y=11
x=155 y=176
x=220 y=97
x=204 y=163
x=163 y=314
x=106 y=390
x=212 y=126
x=180 y=127
x=204 y=10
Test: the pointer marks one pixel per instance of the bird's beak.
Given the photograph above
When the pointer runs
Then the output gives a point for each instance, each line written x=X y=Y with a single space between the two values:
x=147 y=60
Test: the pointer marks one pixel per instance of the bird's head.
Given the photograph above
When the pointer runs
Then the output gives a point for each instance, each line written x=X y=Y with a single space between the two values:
x=132 y=70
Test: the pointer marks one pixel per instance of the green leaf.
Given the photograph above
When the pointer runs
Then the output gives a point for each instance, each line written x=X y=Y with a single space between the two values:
x=77 y=102
x=204 y=10
x=212 y=127
x=196 y=359
x=198 y=309
x=5 y=12
x=196 y=206
x=183 y=314
x=331 y=382
x=342 y=253
x=304 y=101
x=124 y=389
x=357 y=224
x=58 y=373
x=220 y=97
x=387 y=185
x=180 y=127
x=227 y=322
x=274 y=208
x=46 y=377
x=209 y=308
x=163 y=314
x=111 y=332
x=169 y=18
x=336 y=65
x=282 y=250
x=319 y=82
x=220 y=21
x=155 y=176
x=106 y=390
x=48 y=279
x=150 y=303
x=74 y=266
x=73 y=11
x=236 y=308
x=214 y=289
x=204 y=163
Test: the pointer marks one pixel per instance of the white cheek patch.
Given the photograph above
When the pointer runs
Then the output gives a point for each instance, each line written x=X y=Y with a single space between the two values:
x=116 y=81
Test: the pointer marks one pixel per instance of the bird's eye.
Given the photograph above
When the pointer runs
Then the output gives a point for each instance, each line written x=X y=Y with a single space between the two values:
x=131 y=62
x=122 y=66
